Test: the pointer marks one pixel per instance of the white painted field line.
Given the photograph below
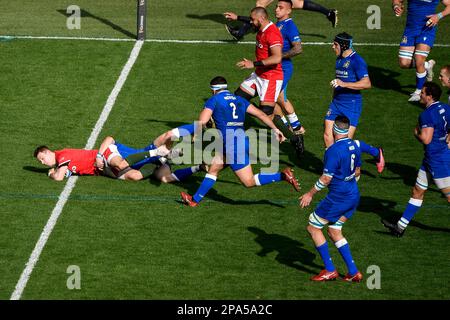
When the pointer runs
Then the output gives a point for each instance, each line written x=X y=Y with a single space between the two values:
x=65 y=194
x=313 y=43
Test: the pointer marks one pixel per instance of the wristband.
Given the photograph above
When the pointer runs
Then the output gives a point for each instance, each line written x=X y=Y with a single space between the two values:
x=440 y=15
x=319 y=185
x=258 y=63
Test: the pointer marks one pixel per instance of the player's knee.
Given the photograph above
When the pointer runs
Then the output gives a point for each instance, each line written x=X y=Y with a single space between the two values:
x=404 y=63
x=334 y=234
x=241 y=93
x=418 y=193
x=133 y=175
x=248 y=183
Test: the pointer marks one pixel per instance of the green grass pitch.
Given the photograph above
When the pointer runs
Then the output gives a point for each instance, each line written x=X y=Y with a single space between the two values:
x=135 y=240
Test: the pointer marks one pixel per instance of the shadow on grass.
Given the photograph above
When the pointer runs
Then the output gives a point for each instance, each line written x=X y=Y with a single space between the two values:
x=87 y=14
x=289 y=252
x=385 y=209
x=35 y=169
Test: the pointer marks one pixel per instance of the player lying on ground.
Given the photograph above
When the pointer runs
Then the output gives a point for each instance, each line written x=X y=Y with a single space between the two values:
x=352 y=76
x=342 y=162
x=291 y=47
x=228 y=112
x=308 y=5
x=117 y=161
x=418 y=38
x=432 y=131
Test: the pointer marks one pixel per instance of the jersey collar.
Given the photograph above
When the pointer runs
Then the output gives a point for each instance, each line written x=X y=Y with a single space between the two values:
x=342 y=139
x=265 y=28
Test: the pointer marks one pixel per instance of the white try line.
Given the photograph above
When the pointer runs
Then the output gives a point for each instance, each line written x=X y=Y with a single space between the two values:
x=65 y=194
x=313 y=43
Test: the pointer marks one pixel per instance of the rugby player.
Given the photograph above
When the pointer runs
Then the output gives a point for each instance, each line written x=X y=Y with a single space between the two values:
x=444 y=77
x=418 y=38
x=342 y=167
x=228 y=112
x=432 y=131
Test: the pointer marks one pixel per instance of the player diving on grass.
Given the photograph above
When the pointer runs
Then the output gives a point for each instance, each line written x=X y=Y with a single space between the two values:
x=228 y=112
x=352 y=76
x=342 y=163
x=418 y=38
x=432 y=131
x=118 y=161
x=239 y=33
x=292 y=46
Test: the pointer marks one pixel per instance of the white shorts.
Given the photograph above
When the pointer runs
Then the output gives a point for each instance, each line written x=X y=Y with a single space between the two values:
x=268 y=89
x=111 y=153
x=424 y=177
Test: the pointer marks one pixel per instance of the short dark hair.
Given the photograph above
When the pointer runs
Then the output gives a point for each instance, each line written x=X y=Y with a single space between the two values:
x=342 y=122
x=432 y=89
x=260 y=10
x=218 y=80
x=447 y=69
x=39 y=150
x=288 y=1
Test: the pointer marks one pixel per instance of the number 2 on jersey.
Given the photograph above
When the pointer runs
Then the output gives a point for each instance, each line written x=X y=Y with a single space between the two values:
x=235 y=116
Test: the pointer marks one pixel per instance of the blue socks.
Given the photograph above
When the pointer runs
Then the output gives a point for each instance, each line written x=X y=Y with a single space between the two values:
x=374 y=152
x=420 y=80
x=184 y=173
x=207 y=183
x=293 y=119
x=411 y=209
x=325 y=255
x=344 y=250
x=262 y=178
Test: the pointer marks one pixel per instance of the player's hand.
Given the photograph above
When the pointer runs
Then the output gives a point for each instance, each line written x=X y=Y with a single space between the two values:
x=162 y=151
x=51 y=171
x=447 y=139
x=305 y=200
x=336 y=83
x=230 y=16
x=398 y=9
x=280 y=136
x=99 y=163
x=432 y=20
x=245 y=64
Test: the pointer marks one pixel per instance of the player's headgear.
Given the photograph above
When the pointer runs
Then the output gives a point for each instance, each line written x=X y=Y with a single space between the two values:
x=344 y=40
x=218 y=83
x=341 y=125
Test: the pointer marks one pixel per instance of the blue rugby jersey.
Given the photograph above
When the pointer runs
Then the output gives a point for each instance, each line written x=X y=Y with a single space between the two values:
x=350 y=69
x=418 y=10
x=290 y=34
x=436 y=116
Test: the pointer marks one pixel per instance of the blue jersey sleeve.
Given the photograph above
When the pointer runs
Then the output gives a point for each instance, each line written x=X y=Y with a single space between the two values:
x=293 y=35
x=243 y=102
x=361 y=69
x=210 y=104
x=425 y=120
x=331 y=163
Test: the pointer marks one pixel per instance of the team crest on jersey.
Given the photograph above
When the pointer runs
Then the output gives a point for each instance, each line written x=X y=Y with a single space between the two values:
x=346 y=64
x=405 y=39
x=329 y=112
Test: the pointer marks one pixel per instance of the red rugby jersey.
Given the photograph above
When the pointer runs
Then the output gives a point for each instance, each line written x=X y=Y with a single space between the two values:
x=79 y=161
x=267 y=38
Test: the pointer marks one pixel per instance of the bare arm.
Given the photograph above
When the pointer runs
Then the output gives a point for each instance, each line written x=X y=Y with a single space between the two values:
x=362 y=84
x=294 y=51
x=205 y=116
x=267 y=121
x=424 y=135
x=105 y=144
x=274 y=58
x=305 y=200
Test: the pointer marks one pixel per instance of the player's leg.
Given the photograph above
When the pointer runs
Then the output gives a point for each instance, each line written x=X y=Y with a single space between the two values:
x=331 y=14
x=376 y=152
x=420 y=55
x=314 y=229
x=168 y=137
x=413 y=206
x=335 y=233
x=134 y=175
x=328 y=133
x=268 y=91
x=167 y=176
x=208 y=182
x=406 y=57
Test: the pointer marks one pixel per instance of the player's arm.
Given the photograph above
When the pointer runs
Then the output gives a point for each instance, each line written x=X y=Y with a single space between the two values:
x=103 y=146
x=267 y=121
x=276 y=55
x=424 y=135
x=205 y=116
x=294 y=51
x=433 y=19
x=362 y=84
x=323 y=182
x=58 y=174
x=397 y=6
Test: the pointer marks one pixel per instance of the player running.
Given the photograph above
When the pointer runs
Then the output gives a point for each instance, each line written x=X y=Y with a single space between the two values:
x=432 y=131
x=342 y=162
x=117 y=161
x=292 y=46
x=418 y=38
x=352 y=76
x=238 y=34
x=228 y=112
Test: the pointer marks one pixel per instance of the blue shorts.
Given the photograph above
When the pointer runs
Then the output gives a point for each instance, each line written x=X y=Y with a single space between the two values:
x=288 y=69
x=332 y=207
x=237 y=153
x=437 y=169
x=349 y=108
x=423 y=35
x=126 y=151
